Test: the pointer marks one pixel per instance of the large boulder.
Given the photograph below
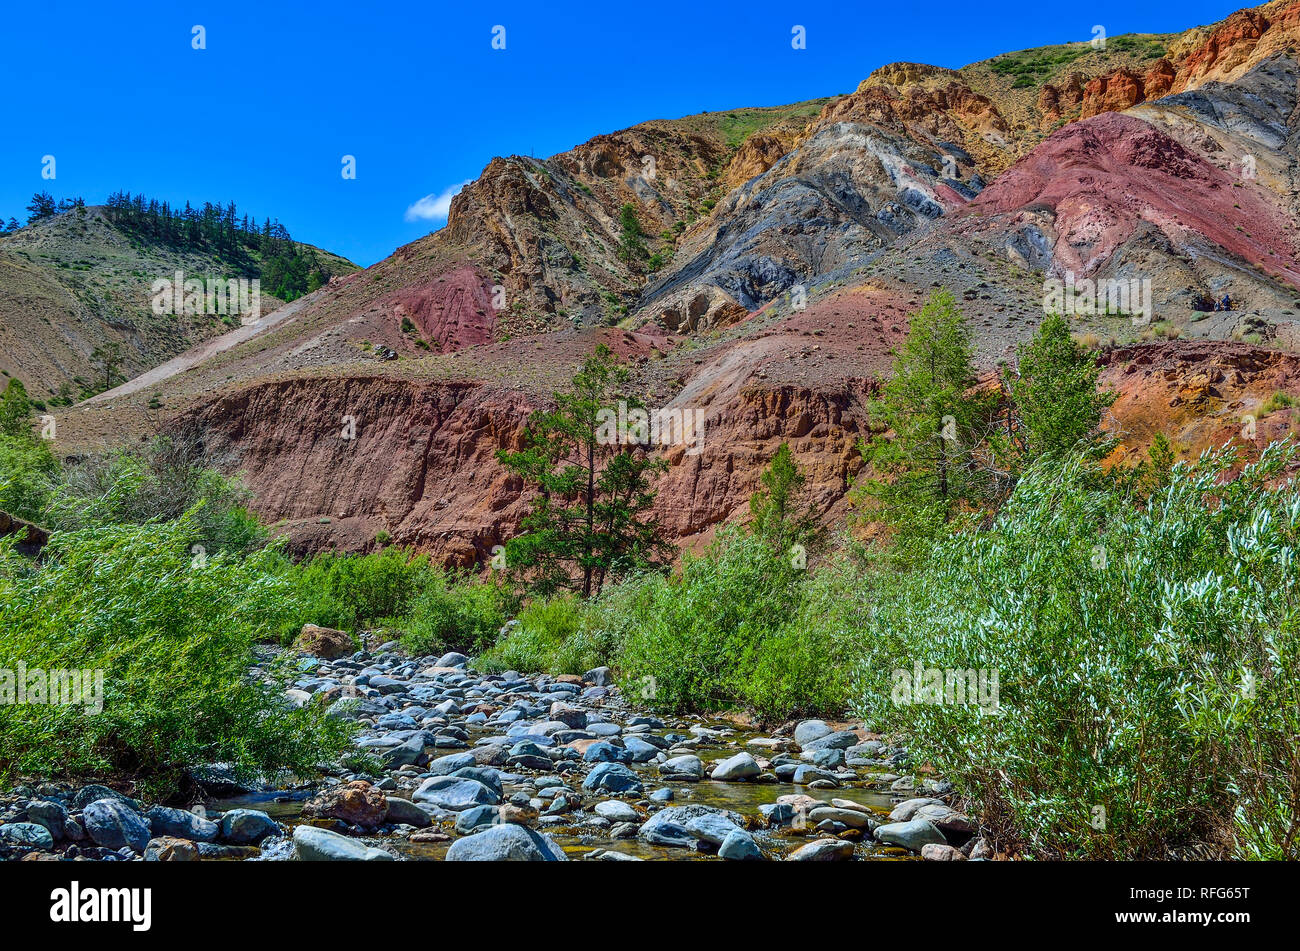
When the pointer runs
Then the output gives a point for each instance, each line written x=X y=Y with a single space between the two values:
x=739 y=846
x=739 y=767
x=29 y=834
x=112 y=824
x=840 y=740
x=324 y=642
x=404 y=812
x=247 y=826
x=613 y=777
x=357 y=803
x=684 y=769
x=450 y=792
x=505 y=843
x=168 y=848
x=311 y=844
x=49 y=814
x=823 y=850
x=912 y=835
x=673 y=826
x=810 y=730
x=181 y=824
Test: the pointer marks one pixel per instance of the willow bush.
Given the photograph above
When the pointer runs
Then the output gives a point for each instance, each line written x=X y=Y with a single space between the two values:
x=1146 y=655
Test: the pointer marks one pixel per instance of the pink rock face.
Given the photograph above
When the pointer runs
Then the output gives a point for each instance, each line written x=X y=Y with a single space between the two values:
x=453 y=311
x=1104 y=176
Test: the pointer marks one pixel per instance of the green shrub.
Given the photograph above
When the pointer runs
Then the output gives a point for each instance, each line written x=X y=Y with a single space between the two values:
x=697 y=637
x=162 y=481
x=28 y=476
x=538 y=642
x=357 y=592
x=174 y=640
x=1147 y=663
x=454 y=613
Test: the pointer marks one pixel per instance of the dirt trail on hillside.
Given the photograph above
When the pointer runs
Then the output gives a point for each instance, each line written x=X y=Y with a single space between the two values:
x=192 y=357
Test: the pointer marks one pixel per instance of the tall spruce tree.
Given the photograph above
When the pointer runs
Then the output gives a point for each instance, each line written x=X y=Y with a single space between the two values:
x=591 y=517
x=928 y=423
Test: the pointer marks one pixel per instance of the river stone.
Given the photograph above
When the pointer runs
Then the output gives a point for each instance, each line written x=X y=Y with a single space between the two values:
x=739 y=767
x=387 y=685
x=686 y=768
x=810 y=730
x=605 y=753
x=777 y=813
x=446 y=765
x=357 y=803
x=803 y=775
x=112 y=825
x=911 y=835
x=181 y=824
x=825 y=758
x=941 y=853
x=599 y=676
x=669 y=826
x=639 y=751
x=27 y=833
x=471 y=819
x=574 y=718
x=247 y=826
x=456 y=794
x=616 y=811
x=452 y=659
x=613 y=777
x=48 y=814
x=822 y=850
x=711 y=827
x=739 y=846
x=906 y=809
x=841 y=740
x=849 y=817
x=325 y=642
x=396 y=721
x=88 y=794
x=168 y=848
x=609 y=855
x=505 y=843
x=312 y=844
x=404 y=812
x=404 y=754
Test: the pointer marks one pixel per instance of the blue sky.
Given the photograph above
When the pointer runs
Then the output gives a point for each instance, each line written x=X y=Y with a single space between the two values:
x=264 y=115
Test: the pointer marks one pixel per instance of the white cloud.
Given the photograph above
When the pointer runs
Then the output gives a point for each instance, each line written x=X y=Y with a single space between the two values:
x=434 y=207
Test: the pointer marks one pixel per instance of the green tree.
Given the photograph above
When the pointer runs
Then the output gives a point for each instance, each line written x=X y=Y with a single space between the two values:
x=631 y=243
x=109 y=359
x=928 y=471
x=591 y=517
x=15 y=410
x=772 y=507
x=42 y=206
x=1056 y=405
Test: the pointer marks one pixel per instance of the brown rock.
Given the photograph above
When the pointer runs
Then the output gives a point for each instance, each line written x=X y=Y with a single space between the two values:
x=933 y=852
x=324 y=642
x=357 y=803
x=166 y=848
x=1111 y=93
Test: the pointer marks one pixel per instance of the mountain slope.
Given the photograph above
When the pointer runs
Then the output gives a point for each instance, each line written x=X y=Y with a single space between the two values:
x=801 y=238
x=76 y=282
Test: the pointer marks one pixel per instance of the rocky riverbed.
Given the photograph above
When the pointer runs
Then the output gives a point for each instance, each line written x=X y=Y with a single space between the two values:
x=479 y=767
